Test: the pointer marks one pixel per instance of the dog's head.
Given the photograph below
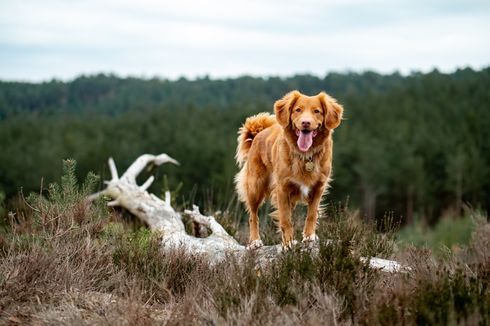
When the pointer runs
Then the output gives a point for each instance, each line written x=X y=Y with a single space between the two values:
x=306 y=117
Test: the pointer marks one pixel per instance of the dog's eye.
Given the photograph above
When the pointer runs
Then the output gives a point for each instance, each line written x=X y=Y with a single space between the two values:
x=298 y=109
x=317 y=111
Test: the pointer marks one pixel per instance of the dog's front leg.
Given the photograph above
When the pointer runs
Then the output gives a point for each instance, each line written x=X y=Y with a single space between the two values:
x=284 y=212
x=312 y=215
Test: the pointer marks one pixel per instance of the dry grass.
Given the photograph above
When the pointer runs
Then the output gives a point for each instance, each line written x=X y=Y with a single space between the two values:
x=68 y=263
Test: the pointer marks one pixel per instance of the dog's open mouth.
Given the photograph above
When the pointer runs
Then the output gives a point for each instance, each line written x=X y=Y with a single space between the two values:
x=305 y=139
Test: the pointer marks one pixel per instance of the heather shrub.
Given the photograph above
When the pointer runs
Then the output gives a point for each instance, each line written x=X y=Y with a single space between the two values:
x=65 y=261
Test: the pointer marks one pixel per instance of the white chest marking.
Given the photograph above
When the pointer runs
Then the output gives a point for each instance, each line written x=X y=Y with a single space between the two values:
x=304 y=190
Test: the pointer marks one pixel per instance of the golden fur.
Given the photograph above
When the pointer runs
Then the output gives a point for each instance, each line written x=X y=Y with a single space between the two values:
x=273 y=152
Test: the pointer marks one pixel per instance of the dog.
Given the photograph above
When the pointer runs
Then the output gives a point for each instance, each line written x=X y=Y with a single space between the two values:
x=287 y=157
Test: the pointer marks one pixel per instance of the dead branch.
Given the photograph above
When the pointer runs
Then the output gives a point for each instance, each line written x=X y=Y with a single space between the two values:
x=162 y=218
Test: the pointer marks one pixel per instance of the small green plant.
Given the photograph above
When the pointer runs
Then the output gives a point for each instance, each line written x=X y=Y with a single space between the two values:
x=65 y=204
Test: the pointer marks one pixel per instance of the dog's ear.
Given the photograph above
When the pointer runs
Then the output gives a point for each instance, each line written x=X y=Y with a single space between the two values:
x=332 y=110
x=283 y=107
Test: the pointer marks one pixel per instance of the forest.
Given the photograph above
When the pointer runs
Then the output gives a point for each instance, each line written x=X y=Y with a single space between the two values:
x=411 y=146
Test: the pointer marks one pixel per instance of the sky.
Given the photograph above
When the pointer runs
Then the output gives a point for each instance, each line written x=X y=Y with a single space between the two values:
x=45 y=39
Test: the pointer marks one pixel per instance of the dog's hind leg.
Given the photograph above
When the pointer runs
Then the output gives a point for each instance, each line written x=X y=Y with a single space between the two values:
x=256 y=193
x=253 y=222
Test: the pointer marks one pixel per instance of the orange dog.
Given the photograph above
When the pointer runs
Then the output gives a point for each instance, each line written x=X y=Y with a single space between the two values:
x=287 y=157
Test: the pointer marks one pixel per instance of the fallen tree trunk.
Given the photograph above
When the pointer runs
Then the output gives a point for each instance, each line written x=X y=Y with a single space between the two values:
x=162 y=218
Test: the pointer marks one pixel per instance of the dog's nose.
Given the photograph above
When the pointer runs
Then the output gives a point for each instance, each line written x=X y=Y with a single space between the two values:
x=305 y=124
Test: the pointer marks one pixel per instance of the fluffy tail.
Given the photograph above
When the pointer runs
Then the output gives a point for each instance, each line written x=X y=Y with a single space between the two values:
x=252 y=126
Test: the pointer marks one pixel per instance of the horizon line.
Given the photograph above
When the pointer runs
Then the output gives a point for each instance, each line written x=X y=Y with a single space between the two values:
x=209 y=76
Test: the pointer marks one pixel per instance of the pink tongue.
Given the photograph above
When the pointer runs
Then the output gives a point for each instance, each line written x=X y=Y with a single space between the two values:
x=305 y=140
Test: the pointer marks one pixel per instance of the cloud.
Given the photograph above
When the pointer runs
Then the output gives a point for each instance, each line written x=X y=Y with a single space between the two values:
x=52 y=38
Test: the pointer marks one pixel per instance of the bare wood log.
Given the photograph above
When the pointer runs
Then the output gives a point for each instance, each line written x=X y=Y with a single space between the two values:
x=162 y=218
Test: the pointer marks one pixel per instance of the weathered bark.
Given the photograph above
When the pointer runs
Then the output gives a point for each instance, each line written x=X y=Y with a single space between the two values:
x=162 y=218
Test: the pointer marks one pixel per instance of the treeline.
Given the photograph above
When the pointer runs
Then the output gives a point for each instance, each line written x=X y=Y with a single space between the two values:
x=416 y=146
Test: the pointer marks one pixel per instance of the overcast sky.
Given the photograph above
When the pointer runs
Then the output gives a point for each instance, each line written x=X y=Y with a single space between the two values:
x=44 y=39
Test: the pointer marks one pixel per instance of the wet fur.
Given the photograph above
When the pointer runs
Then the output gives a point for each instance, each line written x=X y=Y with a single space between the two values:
x=272 y=165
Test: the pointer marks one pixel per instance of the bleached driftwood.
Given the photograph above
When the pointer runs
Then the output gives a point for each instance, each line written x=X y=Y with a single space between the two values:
x=162 y=218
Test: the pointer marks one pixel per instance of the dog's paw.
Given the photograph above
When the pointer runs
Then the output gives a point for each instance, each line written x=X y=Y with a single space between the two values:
x=310 y=241
x=289 y=245
x=310 y=238
x=255 y=244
